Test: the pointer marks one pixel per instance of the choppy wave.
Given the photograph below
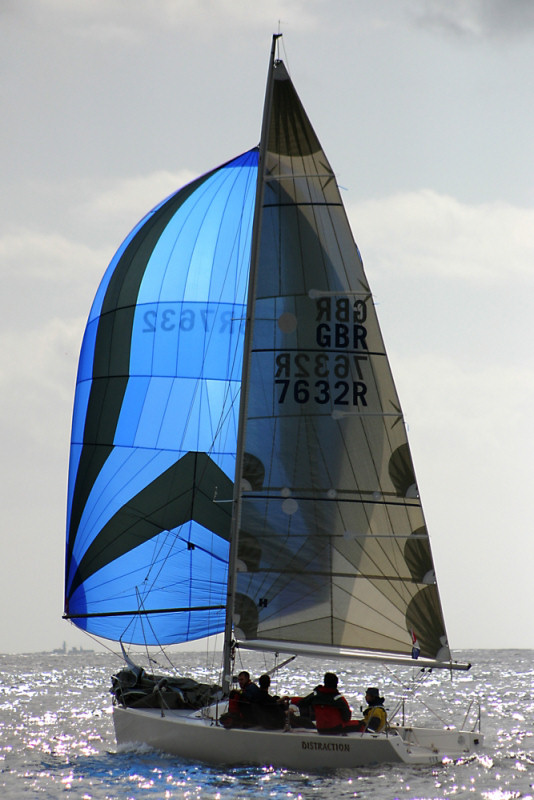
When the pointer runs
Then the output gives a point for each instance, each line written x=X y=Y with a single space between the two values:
x=57 y=735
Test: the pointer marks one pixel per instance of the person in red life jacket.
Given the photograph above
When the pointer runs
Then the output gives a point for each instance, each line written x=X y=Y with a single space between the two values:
x=331 y=710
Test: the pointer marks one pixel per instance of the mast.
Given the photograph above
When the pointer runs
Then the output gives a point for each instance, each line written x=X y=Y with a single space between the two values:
x=249 y=322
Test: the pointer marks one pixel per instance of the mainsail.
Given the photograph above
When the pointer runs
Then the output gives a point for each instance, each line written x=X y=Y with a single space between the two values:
x=334 y=550
x=330 y=543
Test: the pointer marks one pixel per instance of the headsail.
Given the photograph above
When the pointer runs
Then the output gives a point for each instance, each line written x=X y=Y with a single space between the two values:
x=155 y=419
x=334 y=549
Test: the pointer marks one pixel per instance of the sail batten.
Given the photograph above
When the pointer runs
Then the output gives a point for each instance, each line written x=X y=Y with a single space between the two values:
x=143 y=612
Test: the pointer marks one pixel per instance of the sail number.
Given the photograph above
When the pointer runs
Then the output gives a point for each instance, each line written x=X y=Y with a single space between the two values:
x=322 y=374
x=186 y=319
x=344 y=392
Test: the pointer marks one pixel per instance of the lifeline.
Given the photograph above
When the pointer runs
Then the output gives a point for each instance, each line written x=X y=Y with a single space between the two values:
x=325 y=746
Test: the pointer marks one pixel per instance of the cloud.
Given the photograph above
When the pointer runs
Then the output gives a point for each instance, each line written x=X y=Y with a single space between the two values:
x=41 y=257
x=106 y=20
x=45 y=277
x=125 y=201
x=472 y=456
x=469 y=400
x=425 y=233
x=476 y=18
x=39 y=363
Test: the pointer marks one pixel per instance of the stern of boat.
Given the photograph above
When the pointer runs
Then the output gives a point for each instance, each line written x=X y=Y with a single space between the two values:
x=443 y=741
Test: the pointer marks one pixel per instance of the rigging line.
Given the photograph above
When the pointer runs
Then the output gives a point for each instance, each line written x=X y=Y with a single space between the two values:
x=130 y=624
x=408 y=690
x=388 y=507
x=156 y=559
x=101 y=643
x=154 y=634
x=211 y=331
x=228 y=407
x=164 y=558
x=84 y=540
x=141 y=605
x=428 y=708
x=401 y=641
x=236 y=250
x=393 y=580
x=204 y=190
x=372 y=608
x=229 y=400
x=382 y=575
x=161 y=553
x=165 y=655
x=286 y=58
x=230 y=385
x=303 y=551
x=386 y=504
x=143 y=629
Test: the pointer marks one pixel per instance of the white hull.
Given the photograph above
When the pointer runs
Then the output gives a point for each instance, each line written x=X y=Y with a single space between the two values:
x=196 y=738
x=447 y=741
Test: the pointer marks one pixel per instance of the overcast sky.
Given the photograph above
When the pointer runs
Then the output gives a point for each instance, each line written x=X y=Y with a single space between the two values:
x=425 y=110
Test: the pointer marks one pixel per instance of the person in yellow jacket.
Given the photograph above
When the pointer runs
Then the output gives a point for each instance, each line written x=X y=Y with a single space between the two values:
x=374 y=717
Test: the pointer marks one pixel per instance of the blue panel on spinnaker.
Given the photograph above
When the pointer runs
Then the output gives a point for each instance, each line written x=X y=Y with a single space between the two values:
x=154 y=428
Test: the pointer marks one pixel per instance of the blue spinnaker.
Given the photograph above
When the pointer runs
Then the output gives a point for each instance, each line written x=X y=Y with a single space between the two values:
x=154 y=428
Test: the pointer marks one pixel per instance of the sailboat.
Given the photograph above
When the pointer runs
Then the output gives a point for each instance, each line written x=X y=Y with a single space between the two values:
x=239 y=460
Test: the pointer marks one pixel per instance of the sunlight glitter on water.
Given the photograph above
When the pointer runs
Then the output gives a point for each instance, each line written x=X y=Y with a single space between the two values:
x=57 y=739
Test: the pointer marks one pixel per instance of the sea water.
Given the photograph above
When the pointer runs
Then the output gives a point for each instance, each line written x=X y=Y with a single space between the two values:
x=56 y=734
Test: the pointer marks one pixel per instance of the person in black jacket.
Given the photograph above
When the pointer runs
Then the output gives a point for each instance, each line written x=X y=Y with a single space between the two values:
x=241 y=702
x=270 y=710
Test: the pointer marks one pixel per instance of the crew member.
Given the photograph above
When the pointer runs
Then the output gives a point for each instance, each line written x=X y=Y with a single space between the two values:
x=331 y=710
